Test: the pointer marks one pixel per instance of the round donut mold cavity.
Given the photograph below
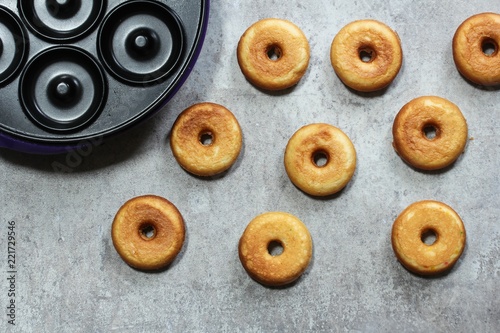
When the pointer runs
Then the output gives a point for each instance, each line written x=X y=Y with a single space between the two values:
x=63 y=88
x=141 y=42
x=14 y=46
x=61 y=21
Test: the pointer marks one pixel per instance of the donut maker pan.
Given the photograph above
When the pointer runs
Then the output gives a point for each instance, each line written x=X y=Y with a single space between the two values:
x=73 y=71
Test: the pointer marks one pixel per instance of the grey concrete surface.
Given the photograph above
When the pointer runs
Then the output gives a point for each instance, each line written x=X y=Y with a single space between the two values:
x=70 y=278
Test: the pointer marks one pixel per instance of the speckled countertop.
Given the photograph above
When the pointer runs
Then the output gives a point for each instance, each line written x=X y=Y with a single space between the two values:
x=70 y=278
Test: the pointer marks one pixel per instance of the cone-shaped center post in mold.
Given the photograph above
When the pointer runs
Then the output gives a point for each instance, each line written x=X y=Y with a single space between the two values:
x=143 y=44
x=64 y=90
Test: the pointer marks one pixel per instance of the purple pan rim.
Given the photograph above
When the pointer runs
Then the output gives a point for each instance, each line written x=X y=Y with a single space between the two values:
x=12 y=143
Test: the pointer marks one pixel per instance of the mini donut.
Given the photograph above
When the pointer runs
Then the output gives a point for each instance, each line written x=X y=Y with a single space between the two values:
x=206 y=139
x=313 y=143
x=273 y=54
x=148 y=232
x=429 y=114
x=472 y=39
x=410 y=229
x=261 y=234
x=366 y=55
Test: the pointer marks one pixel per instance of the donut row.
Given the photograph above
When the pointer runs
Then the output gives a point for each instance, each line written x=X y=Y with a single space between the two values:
x=275 y=248
x=429 y=133
x=366 y=55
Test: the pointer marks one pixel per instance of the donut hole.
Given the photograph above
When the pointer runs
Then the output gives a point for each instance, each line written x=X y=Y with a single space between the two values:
x=430 y=131
x=206 y=138
x=366 y=54
x=320 y=158
x=428 y=236
x=275 y=248
x=274 y=52
x=489 y=47
x=147 y=231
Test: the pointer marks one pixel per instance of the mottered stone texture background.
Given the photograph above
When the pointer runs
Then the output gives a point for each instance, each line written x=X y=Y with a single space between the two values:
x=70 y=278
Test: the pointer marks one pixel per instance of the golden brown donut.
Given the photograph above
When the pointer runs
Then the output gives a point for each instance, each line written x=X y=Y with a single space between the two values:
x=429 y=114
x=315 y=142
x=206 y=139
x=148 y=232
x=273 y=54
x=409 y=231
x=264 y=231
x=366 y=55
x=473 y=37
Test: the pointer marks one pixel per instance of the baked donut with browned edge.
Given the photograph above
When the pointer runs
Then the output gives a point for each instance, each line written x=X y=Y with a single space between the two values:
x=206 y=139
x=273 y=54
x=366 y=55
x=320 y=159
x=148 y=232
x=417 y=222
x=429 y=133
x=476 y=49
x=275 y=229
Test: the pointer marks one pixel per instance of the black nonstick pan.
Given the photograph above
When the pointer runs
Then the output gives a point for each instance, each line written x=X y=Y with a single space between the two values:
x=76 y=71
